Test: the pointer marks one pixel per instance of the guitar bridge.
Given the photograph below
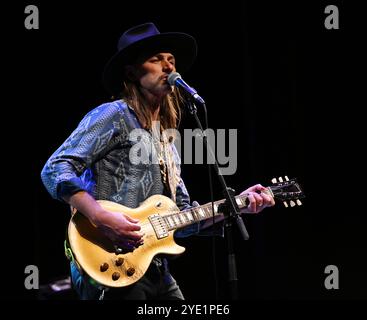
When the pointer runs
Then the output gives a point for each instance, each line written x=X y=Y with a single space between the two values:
x=159 y=226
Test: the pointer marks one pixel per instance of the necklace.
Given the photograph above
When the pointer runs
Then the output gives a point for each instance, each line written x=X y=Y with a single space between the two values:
x=167 y=165
x=160 y=155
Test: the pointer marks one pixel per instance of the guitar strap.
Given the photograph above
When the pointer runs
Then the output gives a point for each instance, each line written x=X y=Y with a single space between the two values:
x=69 y=253
x=70 y=256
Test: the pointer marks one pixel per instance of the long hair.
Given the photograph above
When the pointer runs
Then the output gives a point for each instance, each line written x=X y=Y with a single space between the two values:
x=170 y=110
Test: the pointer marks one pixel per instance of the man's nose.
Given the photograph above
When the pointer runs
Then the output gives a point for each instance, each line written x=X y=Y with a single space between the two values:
x=168 y=66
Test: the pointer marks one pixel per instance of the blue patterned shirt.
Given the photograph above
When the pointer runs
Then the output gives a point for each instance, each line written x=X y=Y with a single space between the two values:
x=95 y=158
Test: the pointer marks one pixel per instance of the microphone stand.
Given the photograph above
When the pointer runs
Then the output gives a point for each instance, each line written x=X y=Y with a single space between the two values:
x=230 y=209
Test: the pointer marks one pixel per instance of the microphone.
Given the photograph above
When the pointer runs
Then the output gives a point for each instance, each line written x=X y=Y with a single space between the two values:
x=174 y=79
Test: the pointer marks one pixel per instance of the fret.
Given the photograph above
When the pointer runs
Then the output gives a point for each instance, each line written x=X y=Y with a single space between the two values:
x=208 y=211
x=188 y=221
x=238 y=201
x=243 y=199
x=195 y=214
x=208 y=208
x=189 y=216
x=201 y=213
x=178 y=216
x=192 y=213
x=176 y=219
x=216 y=208
x=170 y=221
x=182 y=218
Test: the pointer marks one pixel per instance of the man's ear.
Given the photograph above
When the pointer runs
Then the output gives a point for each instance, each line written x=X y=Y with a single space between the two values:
x=130 y=73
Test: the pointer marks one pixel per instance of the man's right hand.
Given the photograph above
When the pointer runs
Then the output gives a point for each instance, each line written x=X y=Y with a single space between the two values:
x=121 y=229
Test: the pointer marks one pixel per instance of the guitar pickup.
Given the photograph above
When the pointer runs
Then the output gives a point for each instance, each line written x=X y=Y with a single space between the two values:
x=159 y=226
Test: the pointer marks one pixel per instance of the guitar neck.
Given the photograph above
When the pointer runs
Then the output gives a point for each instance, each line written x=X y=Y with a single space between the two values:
x=196 y=214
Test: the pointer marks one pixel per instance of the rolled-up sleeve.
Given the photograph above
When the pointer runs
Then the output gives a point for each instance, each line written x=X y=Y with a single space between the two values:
x=61 y=173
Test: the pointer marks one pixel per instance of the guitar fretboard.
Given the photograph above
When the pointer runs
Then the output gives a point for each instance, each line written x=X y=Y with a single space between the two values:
x=186 y=217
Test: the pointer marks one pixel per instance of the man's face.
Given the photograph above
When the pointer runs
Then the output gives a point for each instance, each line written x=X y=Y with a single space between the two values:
x=153 y=72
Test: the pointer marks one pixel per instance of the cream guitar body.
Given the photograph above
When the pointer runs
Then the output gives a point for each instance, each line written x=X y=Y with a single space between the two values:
x=97 y=255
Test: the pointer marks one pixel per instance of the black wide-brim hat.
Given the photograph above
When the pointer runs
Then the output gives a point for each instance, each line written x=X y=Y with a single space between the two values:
x=146 y=39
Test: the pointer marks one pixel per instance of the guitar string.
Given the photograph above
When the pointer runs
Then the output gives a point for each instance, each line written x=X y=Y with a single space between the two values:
x=148 y=224
x=204 y=206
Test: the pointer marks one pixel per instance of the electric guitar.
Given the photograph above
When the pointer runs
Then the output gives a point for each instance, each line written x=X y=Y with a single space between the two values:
x=159 y=217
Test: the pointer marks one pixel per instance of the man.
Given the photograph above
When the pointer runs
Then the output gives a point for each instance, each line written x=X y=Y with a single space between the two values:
x=95 y=162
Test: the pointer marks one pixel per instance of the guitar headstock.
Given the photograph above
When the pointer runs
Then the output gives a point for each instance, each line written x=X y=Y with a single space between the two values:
x=287 y=190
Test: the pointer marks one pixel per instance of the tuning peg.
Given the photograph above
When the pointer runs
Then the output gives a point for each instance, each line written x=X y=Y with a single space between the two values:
x=285 y=204
x=274 y=180
x=280 y=179
x=299 y=202
x=292 y=203
x=286 y=178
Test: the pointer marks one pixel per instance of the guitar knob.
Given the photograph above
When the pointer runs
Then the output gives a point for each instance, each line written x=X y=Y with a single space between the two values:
x=119 y=261
x=285 y=204
x=299 y=202
x=274 y=180
x=115 y=276
x=130 y=271
x=292 y=203
x=104 y=267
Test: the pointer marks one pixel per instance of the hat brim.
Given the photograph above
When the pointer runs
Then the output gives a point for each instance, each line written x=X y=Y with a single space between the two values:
x=181 y=45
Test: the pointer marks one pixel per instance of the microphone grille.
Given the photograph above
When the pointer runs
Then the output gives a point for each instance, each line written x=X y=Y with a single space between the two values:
x=172 y=77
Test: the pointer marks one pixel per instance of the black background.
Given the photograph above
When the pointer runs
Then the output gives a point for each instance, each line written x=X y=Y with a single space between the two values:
x=271 y=70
